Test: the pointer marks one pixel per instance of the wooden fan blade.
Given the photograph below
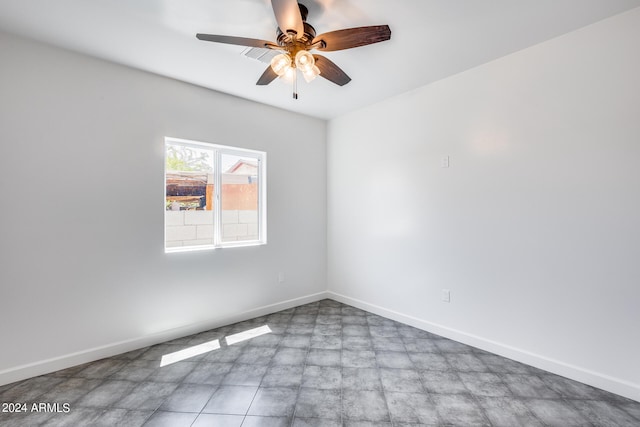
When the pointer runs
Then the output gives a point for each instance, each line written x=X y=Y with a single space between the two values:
x=330 y=71
x=353 y=37
x=288 y=16
x=241 y=41
x=267 y=77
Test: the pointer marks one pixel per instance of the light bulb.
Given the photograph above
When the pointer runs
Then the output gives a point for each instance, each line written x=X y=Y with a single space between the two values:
x=288 y=73
x=304 y=61
x=311 y=74
x=280 y=63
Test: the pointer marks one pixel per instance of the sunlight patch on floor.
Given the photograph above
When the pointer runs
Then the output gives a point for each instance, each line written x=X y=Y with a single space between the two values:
x=189 y=352
x=206 y=347
x=247 y=335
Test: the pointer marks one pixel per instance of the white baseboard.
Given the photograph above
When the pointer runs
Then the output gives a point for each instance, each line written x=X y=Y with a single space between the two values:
x=595 y=379
x=30 y=370
x=586 y=376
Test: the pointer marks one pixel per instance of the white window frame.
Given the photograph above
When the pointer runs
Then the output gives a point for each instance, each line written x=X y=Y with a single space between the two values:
x=219 y=150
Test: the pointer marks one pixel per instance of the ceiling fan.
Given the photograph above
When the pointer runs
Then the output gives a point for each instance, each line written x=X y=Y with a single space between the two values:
x=296 y=38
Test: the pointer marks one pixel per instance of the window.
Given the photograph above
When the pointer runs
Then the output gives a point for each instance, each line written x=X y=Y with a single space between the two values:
x=214 y=196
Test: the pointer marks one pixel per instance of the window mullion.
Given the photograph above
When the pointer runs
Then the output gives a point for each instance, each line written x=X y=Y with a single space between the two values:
x=261 y=201
x=217 y=189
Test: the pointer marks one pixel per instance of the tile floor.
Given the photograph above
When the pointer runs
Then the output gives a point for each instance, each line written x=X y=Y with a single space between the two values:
x=323 y=364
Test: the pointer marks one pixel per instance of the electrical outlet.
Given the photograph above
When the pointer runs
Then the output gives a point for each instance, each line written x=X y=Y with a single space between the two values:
x=444 y=162
x=446 y=295
x=281 y=277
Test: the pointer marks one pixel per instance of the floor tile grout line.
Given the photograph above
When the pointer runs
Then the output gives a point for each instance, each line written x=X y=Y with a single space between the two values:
x=219 y=386
x=571 y=403
x=474 y=398
x=342 y=418
x=473 y=395
x=382 y=388
x=560 y=397
x=422 y=382
x=304 y=367
x=502 y=381
x=622 y=408
x=262 y=377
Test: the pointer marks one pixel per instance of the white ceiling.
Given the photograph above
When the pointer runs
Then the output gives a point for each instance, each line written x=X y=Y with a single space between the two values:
x=431 y=39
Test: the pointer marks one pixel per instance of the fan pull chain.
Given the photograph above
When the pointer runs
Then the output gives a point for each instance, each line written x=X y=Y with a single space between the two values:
x=295 y=83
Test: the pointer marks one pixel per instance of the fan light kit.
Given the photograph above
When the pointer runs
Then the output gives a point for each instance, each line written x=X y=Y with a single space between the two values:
x=296 y=38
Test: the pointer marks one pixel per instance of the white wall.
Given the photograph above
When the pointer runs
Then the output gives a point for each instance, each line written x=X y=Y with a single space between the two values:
x=535 y=227
x=82 y=216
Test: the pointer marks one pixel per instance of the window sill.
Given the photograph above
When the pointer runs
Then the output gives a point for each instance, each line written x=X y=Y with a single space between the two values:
x=212 y=247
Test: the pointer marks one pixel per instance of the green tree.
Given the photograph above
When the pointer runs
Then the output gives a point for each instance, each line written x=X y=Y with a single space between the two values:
x=181 y=158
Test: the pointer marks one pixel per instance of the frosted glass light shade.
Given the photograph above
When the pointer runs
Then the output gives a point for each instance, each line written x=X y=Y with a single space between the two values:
x=280 y=64
x=304 y=61
x=311 y=74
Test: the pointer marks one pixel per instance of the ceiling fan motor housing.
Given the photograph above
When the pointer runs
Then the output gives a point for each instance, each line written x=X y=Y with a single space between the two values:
x=305 y=39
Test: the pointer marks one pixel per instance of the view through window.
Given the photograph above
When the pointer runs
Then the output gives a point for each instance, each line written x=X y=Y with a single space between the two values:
x=214 y=196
